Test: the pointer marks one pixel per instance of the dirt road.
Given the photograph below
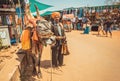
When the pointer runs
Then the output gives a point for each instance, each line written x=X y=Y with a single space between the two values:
x=92 y=58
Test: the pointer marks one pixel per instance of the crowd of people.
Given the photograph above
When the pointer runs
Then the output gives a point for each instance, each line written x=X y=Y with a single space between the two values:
x=104 y=21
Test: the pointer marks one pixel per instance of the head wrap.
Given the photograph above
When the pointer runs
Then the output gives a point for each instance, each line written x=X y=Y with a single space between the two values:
x=54 y=14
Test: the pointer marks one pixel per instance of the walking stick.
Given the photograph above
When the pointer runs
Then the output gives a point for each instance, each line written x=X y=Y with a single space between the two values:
x=51 y=64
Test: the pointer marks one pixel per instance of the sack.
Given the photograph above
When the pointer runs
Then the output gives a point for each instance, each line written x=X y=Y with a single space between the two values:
x=43 y=29
x=64 y=48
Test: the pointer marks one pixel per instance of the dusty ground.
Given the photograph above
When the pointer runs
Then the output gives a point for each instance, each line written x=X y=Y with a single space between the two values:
x=7 y=54
x=92 y=58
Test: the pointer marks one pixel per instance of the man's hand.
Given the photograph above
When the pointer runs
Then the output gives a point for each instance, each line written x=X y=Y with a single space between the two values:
x=60 y=37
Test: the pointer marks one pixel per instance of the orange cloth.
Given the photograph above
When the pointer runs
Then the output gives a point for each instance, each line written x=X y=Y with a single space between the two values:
x=25 y=40
x=54 y=14
x=35 y=36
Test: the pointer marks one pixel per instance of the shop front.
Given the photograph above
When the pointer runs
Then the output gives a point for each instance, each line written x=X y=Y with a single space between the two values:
x=7 y=24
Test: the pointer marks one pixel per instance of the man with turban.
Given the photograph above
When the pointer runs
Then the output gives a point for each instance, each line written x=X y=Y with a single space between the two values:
x=58 y=30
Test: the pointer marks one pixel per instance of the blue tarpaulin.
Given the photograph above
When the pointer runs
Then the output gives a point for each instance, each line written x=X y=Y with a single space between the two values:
x=80 y=13
x=18 y=12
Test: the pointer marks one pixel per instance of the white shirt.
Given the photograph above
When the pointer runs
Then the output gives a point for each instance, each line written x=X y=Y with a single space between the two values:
x=59 y=29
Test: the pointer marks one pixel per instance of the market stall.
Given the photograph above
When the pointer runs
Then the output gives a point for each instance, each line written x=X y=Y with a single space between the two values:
x=7 y=23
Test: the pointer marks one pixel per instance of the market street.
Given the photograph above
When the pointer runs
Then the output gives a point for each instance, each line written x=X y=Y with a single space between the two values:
x=91 y=58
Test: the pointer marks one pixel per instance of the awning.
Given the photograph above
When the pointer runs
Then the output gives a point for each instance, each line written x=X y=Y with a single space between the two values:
x=41 y=6
x=71 y=8
x=47 y=13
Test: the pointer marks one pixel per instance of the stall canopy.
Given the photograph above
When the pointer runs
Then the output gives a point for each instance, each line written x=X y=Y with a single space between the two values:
x=41 y=6
x=47 y=13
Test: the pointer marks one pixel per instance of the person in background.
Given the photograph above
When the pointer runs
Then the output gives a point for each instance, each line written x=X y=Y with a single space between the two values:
x=64 y=22
x=88 y=26
x=69 y=25
x=108 y=24
x=101 y=27
x=13 y=39
x=74 y=23
x=18 y=29
x=84 y=22
x=26 y=42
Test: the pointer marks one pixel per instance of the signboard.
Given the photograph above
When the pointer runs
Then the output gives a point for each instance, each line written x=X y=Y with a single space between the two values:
x=68 y=16
x=4 y=34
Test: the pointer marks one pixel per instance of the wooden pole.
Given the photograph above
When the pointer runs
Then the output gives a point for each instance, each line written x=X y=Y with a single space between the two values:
x=20 y=14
